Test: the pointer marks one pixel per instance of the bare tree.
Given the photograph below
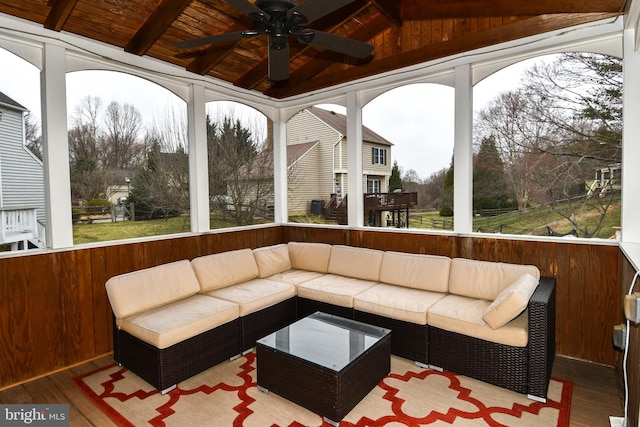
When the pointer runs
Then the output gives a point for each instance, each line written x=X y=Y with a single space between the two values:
x=507 y=121
x=122 y=148
x=161 y=188
x=85 y=135
x=33 y=139
x=240 y=168
x=556 y=131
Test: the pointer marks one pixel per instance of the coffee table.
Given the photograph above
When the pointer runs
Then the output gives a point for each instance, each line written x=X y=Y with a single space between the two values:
x=324 y=363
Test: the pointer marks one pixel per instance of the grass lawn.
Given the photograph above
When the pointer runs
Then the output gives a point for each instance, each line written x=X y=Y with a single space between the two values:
x=105 y=231
x=532 y=222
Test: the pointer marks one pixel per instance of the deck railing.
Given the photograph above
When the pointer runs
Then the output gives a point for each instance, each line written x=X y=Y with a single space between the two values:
x=18 y=223
x=390 y=201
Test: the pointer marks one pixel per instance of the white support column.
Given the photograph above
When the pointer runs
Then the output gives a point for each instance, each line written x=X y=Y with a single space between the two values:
x=280 y=179
x=56 y=147
x=355 y=200
x=463 y=151
x=630 y=137
x=198 y=160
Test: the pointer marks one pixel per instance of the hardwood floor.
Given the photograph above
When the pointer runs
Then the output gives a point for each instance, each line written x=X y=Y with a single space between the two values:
x=595 y=393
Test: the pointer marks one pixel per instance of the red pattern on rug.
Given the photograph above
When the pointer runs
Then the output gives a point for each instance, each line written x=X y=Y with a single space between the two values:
x=398 y=416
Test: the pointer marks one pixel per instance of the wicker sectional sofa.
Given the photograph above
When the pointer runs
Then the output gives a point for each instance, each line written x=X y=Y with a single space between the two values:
x=487 y=320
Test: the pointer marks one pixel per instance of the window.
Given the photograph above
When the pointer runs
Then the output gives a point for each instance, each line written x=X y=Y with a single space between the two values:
x=373 y=186
x=378 y=156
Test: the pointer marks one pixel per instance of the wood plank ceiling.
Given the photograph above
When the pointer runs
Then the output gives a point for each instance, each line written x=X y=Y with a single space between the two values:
x=403 y=32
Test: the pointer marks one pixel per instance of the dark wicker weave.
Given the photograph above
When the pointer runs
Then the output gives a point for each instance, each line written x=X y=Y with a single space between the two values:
x=409 y=340
x=163 y=368
x=497 y=364
x=308 y=306
x=263 y=322
x=542 y=336
x=522 y=369
x=326 y=392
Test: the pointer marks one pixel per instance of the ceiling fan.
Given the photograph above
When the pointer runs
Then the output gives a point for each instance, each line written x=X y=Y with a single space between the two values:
x=280 y=19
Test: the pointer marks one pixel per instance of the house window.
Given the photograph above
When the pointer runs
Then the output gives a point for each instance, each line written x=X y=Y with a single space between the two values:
x=373 y=186
x=378 y=156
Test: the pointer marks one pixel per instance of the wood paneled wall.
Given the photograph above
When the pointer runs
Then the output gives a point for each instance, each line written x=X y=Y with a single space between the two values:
x=627 y=273
x=54 y=311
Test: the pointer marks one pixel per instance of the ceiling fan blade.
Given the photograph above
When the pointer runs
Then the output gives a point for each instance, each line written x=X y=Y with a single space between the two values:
x=248 y=8
x=314 y=9
x=278 y=62
x=218 y=38
x=336 y=43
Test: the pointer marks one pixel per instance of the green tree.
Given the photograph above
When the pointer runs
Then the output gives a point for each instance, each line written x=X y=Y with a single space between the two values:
x=490 y=190
x=395 y=181
x=446 y=209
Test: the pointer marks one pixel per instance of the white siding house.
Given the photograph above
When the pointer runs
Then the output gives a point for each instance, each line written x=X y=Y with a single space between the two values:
x=21 y=179
x=322 y=171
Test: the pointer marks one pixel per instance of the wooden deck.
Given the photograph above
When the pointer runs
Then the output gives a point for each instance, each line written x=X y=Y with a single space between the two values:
x=595 y=393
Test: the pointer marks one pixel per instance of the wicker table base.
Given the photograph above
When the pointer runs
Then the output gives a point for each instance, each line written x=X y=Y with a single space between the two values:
x=331 y=393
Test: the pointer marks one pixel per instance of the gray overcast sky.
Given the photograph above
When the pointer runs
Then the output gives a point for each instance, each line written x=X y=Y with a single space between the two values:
x=417 y=119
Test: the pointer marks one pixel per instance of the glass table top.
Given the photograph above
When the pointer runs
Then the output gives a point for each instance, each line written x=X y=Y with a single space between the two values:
x=326 y=340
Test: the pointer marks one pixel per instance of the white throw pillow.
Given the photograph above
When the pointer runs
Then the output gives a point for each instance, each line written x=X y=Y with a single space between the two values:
x=511 y=302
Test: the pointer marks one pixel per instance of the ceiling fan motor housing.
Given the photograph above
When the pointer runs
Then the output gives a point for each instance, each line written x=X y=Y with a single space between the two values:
x=274 y=6
x=279 y=26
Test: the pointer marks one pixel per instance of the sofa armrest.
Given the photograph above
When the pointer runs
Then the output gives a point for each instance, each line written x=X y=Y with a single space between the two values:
x=542 y=336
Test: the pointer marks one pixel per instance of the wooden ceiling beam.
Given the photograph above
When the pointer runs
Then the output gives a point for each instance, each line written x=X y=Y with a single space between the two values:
x=154 y=27
x=390 y=9
x=59 y=14
x=438 y=9
x=212 y=55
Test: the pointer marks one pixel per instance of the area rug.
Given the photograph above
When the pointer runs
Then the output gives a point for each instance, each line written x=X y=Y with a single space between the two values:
x=227 y=395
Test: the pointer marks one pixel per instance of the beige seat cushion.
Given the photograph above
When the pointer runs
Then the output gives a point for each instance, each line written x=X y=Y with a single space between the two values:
x=255 y=294
x=359 y=263
x=334 y=289
x=396 y=302
x=463 y=315
x=484 y=279
x=427 y=272
x=295 y=277
x=511 y=302
x=165 y=326
x=272 y=260
x=309 y=256
x=225 y=269
x=143 y=290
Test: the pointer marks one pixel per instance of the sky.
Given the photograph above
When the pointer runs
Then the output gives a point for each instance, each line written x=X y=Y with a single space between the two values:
x=417 y=119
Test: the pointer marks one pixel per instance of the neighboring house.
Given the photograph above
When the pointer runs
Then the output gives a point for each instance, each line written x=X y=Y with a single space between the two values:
x=607 y=178
x=21 y=181
x=317 y=156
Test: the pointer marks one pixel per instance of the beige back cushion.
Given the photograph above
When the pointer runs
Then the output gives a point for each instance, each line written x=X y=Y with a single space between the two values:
x=143 y=290
x=511 y=302
x=309 y=256
x=272 y=260
x=484 y=279
x=355 y=262
x=426 y=272
x=225 y=269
